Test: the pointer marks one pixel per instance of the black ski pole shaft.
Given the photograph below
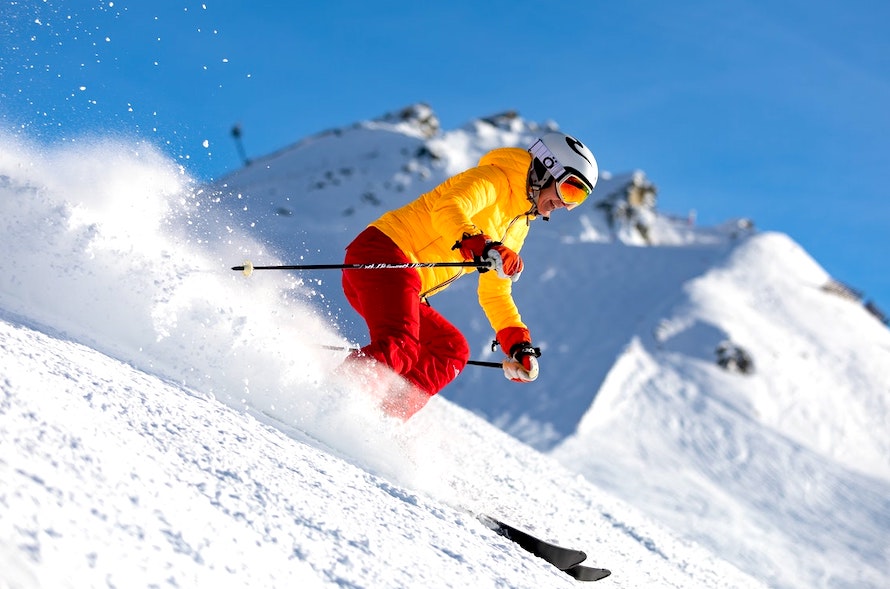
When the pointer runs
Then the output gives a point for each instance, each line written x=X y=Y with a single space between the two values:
x=248 y=268
x=470 y=362
x=484 y=363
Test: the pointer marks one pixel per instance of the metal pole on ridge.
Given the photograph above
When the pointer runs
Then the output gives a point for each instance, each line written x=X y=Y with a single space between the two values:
x=248 y=268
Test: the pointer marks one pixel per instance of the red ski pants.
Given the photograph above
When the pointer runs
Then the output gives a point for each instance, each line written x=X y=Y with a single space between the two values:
x=406 y=334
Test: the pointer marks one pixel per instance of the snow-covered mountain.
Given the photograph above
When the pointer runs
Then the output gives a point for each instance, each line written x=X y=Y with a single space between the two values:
x=163 y=414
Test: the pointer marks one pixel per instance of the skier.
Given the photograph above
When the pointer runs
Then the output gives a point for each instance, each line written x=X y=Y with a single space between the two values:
x=481 y=214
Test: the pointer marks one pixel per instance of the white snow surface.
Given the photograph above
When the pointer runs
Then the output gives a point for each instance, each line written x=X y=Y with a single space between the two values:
x=165 y=421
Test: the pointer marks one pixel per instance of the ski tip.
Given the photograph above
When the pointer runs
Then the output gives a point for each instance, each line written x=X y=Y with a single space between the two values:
x=585 y=573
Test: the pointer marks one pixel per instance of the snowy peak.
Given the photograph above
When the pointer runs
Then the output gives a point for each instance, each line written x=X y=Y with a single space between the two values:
x=419 y=117
x=823 y=385
x=759 y=398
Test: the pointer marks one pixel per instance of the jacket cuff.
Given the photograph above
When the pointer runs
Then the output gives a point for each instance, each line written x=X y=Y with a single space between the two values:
x=511 y=336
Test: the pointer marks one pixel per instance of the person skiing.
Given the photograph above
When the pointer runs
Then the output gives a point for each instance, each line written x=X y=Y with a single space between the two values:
x=482 y=214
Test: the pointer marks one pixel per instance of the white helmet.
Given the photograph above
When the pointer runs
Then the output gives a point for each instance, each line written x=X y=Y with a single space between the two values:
x=563 y=158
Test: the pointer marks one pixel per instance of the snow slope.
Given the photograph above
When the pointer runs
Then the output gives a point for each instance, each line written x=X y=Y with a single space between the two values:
x=114 y=477
x=113 y=247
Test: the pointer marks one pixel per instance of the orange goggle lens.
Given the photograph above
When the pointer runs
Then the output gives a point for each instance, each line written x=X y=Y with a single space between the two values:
x=572 y=190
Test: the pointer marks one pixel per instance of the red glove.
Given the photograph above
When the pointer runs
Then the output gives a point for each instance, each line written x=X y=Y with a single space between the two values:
x=522 y=363
x=506 y=262
x=481 y=248
x=472 y=247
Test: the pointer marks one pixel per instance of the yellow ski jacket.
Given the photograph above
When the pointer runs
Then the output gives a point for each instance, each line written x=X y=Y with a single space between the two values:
x=491 y=199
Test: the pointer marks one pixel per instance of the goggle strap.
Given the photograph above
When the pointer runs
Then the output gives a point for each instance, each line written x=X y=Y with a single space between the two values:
x=546 y=157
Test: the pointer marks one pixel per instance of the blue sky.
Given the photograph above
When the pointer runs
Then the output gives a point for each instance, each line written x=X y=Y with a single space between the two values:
x=775 y=110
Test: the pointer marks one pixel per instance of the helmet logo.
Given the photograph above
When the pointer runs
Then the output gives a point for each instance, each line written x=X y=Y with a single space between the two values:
x=575 y=144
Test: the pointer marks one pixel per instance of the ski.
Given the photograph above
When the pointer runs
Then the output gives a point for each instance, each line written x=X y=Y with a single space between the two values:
x=561 y=558
x=567 y=560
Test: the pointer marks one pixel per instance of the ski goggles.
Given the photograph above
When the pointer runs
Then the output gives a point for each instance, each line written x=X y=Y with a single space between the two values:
x=572 y=190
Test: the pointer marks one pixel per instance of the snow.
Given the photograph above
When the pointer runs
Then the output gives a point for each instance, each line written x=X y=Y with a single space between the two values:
x=168 y=422
x=112 y=476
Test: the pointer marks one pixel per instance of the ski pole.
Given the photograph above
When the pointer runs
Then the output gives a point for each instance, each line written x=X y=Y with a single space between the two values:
x=248 y=268
x=471 y=362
